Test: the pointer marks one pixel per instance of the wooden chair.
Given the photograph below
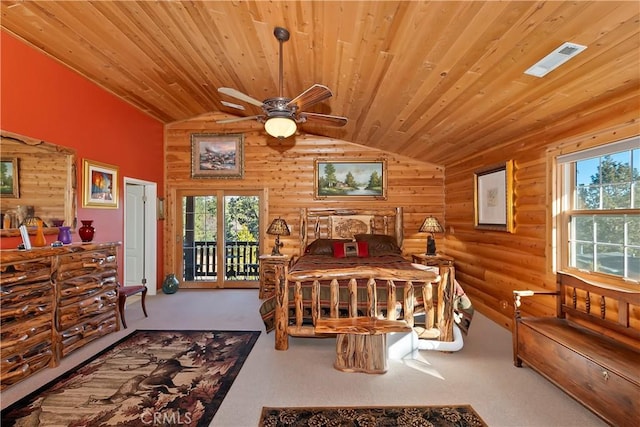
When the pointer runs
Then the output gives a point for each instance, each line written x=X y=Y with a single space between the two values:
x=126 y=291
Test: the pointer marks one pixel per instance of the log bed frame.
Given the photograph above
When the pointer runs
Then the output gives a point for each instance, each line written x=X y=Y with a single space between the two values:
x=334 y=223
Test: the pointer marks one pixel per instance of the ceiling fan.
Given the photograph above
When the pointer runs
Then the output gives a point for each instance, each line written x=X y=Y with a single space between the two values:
x=280 y=115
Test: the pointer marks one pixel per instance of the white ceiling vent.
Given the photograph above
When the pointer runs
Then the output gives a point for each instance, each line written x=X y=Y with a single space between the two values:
x=555 y=59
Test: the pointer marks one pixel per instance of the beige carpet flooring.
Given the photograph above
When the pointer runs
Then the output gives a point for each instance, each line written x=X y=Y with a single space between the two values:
x=481 y=374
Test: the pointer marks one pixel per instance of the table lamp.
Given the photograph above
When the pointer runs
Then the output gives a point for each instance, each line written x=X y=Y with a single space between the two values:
x=431 y=225
x=278 y=228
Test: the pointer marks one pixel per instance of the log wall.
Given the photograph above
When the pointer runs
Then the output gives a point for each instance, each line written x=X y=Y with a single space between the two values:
x=285 y=171
x=491 y=264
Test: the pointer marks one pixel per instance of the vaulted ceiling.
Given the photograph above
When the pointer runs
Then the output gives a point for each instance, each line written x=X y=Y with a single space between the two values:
x=436 y=81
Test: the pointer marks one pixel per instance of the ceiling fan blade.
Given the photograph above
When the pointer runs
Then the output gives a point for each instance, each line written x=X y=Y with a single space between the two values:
x=232 y=105
x=239 y=95
x=313 y=95
x=324 y=119
x=237 y=119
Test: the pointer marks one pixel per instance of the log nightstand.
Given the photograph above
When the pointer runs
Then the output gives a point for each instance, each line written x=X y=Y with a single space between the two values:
x=268 y=265
x=439 y=260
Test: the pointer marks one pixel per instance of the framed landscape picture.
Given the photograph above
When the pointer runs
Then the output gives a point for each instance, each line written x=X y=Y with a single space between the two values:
x=99 y=185
x=9 y=185
x=493 y=198
x=350 y=179
x=217 y=156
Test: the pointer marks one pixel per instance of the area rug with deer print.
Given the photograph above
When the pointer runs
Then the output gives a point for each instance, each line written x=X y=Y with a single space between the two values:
x=147 y=378
x=397 y=416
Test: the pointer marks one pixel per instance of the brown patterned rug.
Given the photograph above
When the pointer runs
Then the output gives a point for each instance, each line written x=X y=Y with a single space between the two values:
x=409 y=416
x=147 y=378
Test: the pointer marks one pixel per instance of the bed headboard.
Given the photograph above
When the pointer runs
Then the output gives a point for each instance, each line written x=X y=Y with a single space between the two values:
x=327 y=223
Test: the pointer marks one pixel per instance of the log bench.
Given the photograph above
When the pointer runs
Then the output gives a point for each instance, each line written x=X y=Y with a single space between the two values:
x=591 y=354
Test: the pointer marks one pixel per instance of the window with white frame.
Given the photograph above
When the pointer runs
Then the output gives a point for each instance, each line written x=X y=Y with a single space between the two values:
x=600 y=210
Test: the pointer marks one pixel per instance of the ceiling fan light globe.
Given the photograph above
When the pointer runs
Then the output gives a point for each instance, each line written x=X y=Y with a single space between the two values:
x=280 y=127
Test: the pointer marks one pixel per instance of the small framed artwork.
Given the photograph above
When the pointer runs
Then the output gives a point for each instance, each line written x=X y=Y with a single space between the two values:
x=217 y=155
x=99 y=185
x=350 y=179
x=9 y=184
x=493 y=198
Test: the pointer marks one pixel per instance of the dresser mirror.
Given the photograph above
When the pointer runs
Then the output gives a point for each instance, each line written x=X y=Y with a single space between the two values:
x=38 y=182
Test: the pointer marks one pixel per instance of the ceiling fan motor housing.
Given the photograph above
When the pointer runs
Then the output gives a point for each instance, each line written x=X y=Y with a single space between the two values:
x=278 y=107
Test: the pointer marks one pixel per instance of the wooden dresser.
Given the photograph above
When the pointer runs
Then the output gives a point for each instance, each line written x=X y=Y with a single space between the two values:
x=54 y=301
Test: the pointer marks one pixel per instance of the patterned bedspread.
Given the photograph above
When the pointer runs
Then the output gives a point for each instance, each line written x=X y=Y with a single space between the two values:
x=326 y=262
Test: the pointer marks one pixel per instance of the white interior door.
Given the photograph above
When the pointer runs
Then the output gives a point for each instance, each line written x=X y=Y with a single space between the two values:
x=140 y=233
x=134 y=232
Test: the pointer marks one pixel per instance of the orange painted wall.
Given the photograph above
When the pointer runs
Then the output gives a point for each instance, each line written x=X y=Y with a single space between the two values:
x=43 y=99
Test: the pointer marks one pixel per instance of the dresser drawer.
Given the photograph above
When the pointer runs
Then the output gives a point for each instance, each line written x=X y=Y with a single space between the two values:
x=54 y=301
x=86 y=285
x=26 y=310
x=26 y=349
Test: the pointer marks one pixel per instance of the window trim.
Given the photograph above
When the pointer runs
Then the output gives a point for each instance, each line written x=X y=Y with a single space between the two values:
x=220 y=282
x=561 y=189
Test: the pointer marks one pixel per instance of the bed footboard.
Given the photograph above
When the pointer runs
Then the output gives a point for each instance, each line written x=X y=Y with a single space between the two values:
x=364 y=292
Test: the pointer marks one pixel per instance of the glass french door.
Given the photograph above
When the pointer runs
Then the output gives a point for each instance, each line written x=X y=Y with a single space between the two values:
x=220 y=239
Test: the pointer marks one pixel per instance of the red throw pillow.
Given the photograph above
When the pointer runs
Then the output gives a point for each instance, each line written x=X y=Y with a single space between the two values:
x=351 y=249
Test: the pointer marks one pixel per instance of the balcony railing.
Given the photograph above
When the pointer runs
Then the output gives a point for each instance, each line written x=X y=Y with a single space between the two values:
x=200 y=261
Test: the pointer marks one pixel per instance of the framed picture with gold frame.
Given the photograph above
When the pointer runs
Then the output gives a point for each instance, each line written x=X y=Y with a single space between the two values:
x=9 y=184
x=99 y=185
x=493 y=197
x=350 y=179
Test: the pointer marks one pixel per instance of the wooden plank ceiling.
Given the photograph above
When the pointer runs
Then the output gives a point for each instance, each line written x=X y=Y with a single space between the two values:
x=436 y=81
